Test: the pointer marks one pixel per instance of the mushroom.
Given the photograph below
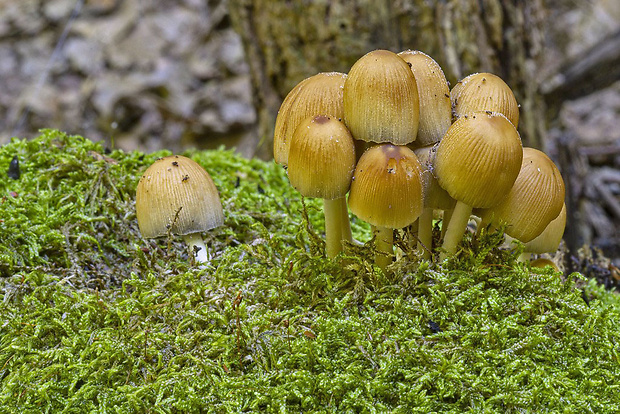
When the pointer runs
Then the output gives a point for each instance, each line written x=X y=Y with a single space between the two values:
x=434 y=97
x=176 y=195
x=549 y=240
x=381 y=102
x=484 y=92
x=543 y=262
x=535 y=199
x=435 y=198
x=320 y=94
x=387 y=193
x=477 y=162
x=321 y=161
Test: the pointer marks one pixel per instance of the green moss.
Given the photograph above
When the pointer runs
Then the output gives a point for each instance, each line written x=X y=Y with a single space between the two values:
x=94 y=318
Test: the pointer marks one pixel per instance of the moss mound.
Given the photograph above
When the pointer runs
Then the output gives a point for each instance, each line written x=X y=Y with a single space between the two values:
x=94 y=318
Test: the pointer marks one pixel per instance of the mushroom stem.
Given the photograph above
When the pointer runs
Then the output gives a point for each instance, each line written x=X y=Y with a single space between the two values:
x=524 y=257
x=333 y=225
x=447 y=215
x=456 y=229
x=345 y=222
x=197 y=247
x=425 y=233
x=384 y=242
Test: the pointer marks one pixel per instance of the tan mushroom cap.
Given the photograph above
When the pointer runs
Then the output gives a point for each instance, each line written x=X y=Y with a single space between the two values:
x=535 y=199
x=321 y=158
x=549 y=240
x=434 y=96
x=479 y=158
x=484 y=92
x=381 y=102
x=387 y=187
x=176 y=194
x=435 y=197
x=320 y=94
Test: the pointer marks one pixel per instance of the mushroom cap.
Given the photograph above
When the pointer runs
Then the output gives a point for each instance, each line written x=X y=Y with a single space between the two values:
x=479 y=158
x=387 y=187
x=484 y=92
x=381 y=102
x=434 y=196
x=535 y=199
x=321 y=158
x=542 y=262
x=320 y=94
x=434 y=97
x=549 y=240
x=176 y=194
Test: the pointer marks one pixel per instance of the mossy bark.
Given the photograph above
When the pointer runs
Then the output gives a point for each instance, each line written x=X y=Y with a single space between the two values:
x=286 y=42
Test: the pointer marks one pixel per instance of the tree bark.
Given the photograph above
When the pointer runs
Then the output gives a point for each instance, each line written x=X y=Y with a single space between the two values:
x=287 y=41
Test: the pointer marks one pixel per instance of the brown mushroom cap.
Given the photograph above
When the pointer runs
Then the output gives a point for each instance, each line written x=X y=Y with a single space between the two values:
x=479 y=158
x=321 y=158
x=549 y=240
x=381 y=102
x=176 y=194
x=535 y=199
x=387 y=187
x=316 y=95
x=484 y=92
x=434 y=95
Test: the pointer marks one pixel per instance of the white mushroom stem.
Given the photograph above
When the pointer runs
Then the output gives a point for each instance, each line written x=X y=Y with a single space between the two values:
x=333 y=225
x=384 y=242
x=197 y=247
x=425 y=233
x=456 y=229
x=524 y=257
x=345 y=223
x=447 y=215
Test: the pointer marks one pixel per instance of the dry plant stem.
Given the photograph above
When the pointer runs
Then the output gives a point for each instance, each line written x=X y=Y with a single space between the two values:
x=447 y=215
x=384 y=242
x=197 y=247
x=333 y=226
x=425 y=233
x=456 y=229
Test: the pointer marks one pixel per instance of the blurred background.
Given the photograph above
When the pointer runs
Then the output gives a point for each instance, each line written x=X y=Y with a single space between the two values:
x=151 y=74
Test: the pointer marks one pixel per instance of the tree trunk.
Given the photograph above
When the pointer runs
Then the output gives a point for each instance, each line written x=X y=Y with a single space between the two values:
x=287 y=41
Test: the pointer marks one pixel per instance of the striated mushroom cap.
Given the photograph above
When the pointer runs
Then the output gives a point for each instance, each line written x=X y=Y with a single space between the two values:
x=176 y=194
x=320 y=94
x=381 y=101
x=535 y=199
x=321 y=158
x=484 y=92
x=434 y=97
x=479 y=158
x=387 y=187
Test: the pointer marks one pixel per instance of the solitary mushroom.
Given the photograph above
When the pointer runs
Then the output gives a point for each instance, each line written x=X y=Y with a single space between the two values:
x=176 y=195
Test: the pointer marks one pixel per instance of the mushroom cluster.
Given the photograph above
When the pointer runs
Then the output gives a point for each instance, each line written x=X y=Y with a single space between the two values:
x=406 y=148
